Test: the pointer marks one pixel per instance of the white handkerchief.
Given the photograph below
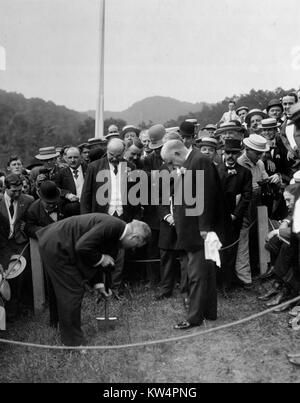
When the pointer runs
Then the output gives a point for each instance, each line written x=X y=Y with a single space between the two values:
x=212 y=245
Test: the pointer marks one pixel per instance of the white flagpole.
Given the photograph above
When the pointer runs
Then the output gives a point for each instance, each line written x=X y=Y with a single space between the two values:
x=99 y=126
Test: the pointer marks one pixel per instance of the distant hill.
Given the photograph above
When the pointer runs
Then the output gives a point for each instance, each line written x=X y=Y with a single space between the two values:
x=155 y=109
x=28 y=124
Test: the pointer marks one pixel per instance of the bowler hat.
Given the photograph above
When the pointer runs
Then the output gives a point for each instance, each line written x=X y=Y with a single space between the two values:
x=270 y=123
x=156 y=134
x=254 y=112
x=47 y=153
x=187 y=129
x=257 y=143
x=49 y=192
x=232 y=145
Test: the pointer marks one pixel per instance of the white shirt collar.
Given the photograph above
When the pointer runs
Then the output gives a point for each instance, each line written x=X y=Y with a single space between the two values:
x=124 y=232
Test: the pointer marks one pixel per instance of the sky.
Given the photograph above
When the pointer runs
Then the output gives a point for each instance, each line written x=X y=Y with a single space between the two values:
x=191 y=50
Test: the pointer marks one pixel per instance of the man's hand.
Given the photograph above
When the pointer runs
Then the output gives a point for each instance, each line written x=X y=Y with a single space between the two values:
x=271 y=166
x=273 y=233
x=101 y=290
x=233 y=217
x=107 y=261
x=275 y=179
x=203 y=234
x=170 y=220
x=71 y=197
x=40 y=178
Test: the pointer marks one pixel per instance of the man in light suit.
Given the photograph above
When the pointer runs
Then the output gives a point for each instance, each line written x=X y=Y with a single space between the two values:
x=13 y=209
x=76 y=251
x=192 y=229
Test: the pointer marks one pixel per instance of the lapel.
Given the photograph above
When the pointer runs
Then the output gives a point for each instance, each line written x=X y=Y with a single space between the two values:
x=21 y=207
x=3 y=209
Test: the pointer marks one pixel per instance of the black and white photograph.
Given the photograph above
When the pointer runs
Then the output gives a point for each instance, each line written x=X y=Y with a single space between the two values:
x=149 y=194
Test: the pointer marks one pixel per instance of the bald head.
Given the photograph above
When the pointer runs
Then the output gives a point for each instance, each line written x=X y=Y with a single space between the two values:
x=174 y=153
x=115 y=151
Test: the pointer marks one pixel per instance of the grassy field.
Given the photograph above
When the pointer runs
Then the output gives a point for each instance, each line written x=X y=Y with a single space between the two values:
x=254 y=352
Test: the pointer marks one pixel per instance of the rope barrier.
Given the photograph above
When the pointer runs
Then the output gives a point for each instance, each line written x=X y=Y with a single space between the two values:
x=154 y=342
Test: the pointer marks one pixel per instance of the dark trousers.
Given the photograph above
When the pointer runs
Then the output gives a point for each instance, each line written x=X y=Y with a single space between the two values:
x=68 y=288
x=168 y=271
x=228 y=257
x=202 y=288
x=153 y=269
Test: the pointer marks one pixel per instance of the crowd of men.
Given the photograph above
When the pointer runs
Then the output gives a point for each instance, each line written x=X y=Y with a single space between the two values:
x=249 y=158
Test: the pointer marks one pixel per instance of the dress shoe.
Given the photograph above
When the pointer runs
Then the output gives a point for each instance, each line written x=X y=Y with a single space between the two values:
x=280 y=297
x=184 y=325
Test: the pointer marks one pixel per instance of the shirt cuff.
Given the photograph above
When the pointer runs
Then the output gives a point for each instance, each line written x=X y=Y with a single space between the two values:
x=98 y=286
x=100 y=262
x=166 y=216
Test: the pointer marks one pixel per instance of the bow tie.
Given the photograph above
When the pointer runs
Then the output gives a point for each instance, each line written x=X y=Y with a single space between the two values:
x=231 y=170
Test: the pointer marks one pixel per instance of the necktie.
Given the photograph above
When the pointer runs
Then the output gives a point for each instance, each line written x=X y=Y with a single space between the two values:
x=75 y=172
x=115 y=169
x=11 y=208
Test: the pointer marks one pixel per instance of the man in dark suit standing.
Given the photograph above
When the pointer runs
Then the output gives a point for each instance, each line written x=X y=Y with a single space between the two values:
x=236 y=183
x=13 y=208
x=76 y=250
x=196 y=213
x=71 y=179
x=104 y=192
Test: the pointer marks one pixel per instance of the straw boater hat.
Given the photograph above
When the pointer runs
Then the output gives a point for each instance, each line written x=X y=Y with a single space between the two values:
x=208 y=141
x=229 y=126
x=270 y=123
x=96 y=142
x=47 y=153
x=129 y=128
x=254 y=112
x=242 y=108
x=156 y=134
x=210 y=126
x=257 y=143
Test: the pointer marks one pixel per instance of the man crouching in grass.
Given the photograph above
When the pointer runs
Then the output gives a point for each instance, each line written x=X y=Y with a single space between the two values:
x=75 y=252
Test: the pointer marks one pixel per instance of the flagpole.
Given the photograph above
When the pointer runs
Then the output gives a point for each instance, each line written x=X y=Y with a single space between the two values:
x=99 y=125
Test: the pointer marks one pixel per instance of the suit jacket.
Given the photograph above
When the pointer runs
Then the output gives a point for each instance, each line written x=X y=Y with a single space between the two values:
x=65 y=180
x=37 y=218
x=152 y=162
x=234 y=185
x=213 y=217
x=279 y=158
x=88 y=202
x=19 y=236
x=79 y=243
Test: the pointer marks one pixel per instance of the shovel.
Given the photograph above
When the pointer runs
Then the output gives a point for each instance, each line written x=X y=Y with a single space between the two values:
x=106 y=320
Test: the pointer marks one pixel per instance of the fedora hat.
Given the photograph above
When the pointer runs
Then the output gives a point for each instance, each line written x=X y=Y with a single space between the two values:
x=257 y=143
x=156 y=134
x=270 y=123
x=49 y=192
x=254 y=112
x=242 y=108
x=187 y=129
x=208 y=141
x=232 y=145
x=47 y=153
x=274 y=102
